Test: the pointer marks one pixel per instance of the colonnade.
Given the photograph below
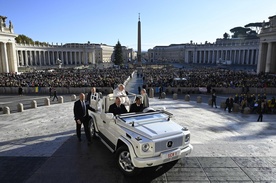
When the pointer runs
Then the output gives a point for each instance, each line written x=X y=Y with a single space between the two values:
x=35 y=57
x=236 y=56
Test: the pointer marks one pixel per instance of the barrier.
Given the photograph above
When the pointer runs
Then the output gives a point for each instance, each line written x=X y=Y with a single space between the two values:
x=175 y=96
x=20 y=107
x=151 y=93
x=6 y=110
x=47 y=101
x=199 y=99
x=210 y=101
x=236 y=107
x=187 y=97
x=73 y=98
x=60 y=99
x=163 y=95
x=223 y=105
x=246 y=110
x=33 y=104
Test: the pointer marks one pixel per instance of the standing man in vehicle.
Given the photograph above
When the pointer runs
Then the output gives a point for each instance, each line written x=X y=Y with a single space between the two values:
x=145 y=98
x=92 y=98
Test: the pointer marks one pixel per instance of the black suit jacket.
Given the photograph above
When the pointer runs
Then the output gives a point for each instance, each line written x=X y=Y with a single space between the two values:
x=79 y=113
x=117 y=110
x=135 y=108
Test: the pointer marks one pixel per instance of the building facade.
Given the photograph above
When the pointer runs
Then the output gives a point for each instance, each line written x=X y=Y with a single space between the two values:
x=238 y=51
x=260 y=52
x=8 y=58
x=267 y=56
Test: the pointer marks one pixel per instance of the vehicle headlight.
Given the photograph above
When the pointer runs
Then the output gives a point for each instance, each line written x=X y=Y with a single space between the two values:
x=145 y=147
x=187 y=138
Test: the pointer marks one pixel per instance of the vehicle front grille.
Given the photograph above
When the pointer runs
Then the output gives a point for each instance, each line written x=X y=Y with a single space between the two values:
x=163 y=145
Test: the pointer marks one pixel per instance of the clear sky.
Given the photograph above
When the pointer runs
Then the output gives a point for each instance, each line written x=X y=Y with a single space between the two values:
x=163 y=22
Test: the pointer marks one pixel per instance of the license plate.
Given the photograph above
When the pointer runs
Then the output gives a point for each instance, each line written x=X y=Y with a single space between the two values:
x=171 y=154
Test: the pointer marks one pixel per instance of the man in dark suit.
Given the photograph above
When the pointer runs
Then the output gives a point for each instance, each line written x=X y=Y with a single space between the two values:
x=137 y=106
x=117 y=107
x=82 y=117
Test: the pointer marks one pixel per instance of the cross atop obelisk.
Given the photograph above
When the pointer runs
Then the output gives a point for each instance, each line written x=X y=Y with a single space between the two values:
x=139 y=62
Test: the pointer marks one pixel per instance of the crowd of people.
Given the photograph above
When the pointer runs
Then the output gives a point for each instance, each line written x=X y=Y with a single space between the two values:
x=66 y=78
x=206 y=76
x=152 y=77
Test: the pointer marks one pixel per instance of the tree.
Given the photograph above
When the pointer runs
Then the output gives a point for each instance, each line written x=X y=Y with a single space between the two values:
x=21 y=38
x=118 y=54
x=24 y=39
x=257 y=26
x=226 y=35
x=239 y=32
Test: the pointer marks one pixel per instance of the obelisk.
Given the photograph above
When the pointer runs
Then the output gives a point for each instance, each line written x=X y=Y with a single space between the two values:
x=139 y=62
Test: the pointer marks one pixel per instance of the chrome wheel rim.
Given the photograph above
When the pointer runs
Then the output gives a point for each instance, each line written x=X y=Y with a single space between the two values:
x=125 y=161
x=92 y=129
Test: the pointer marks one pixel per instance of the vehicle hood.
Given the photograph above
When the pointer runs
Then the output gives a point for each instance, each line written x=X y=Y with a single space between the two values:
x=158 y=129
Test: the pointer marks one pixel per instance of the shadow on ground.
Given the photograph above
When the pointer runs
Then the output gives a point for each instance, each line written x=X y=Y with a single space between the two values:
x=77 y=162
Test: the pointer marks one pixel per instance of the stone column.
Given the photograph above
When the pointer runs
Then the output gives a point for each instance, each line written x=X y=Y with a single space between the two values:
x=14 y=58
x=26 y=58
x=49 y=55
x=66 y=57
x=261 y=52
x=200 y=56
x=71 y=60
x=35 y=58
x=75 y=58
x=31 y=58
x=21 y=57
x=252 y=58
x=247 y=58
x=44 y=58
x=268 y=58
x=17 y=56
x=213 y=57
x=62 y=57
x=5 y=58
x=80 y=57
x=53 y=58
x=195 y=57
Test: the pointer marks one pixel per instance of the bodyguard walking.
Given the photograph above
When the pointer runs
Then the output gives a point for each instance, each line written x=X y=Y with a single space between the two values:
x=55 y=95
x=82 y=117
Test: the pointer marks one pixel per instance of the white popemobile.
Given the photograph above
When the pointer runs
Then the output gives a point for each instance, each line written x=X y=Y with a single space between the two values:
x=139 y=140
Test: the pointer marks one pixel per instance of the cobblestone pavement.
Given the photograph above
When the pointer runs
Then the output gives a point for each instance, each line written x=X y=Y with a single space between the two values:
x=39 y=145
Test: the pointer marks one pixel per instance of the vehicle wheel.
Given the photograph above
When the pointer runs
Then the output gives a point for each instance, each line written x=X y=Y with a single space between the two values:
x=92 y=128
x=124 y=162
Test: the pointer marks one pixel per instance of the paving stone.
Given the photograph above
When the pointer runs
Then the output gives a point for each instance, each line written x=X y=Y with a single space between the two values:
x=207 y=162
x=186 y=175
x=251 y=162
x=188 y=162
x=226 y=175
x=267 y=174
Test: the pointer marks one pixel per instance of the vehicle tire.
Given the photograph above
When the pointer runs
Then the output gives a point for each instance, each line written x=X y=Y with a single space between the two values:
x=92 y=128
x=123 y=159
